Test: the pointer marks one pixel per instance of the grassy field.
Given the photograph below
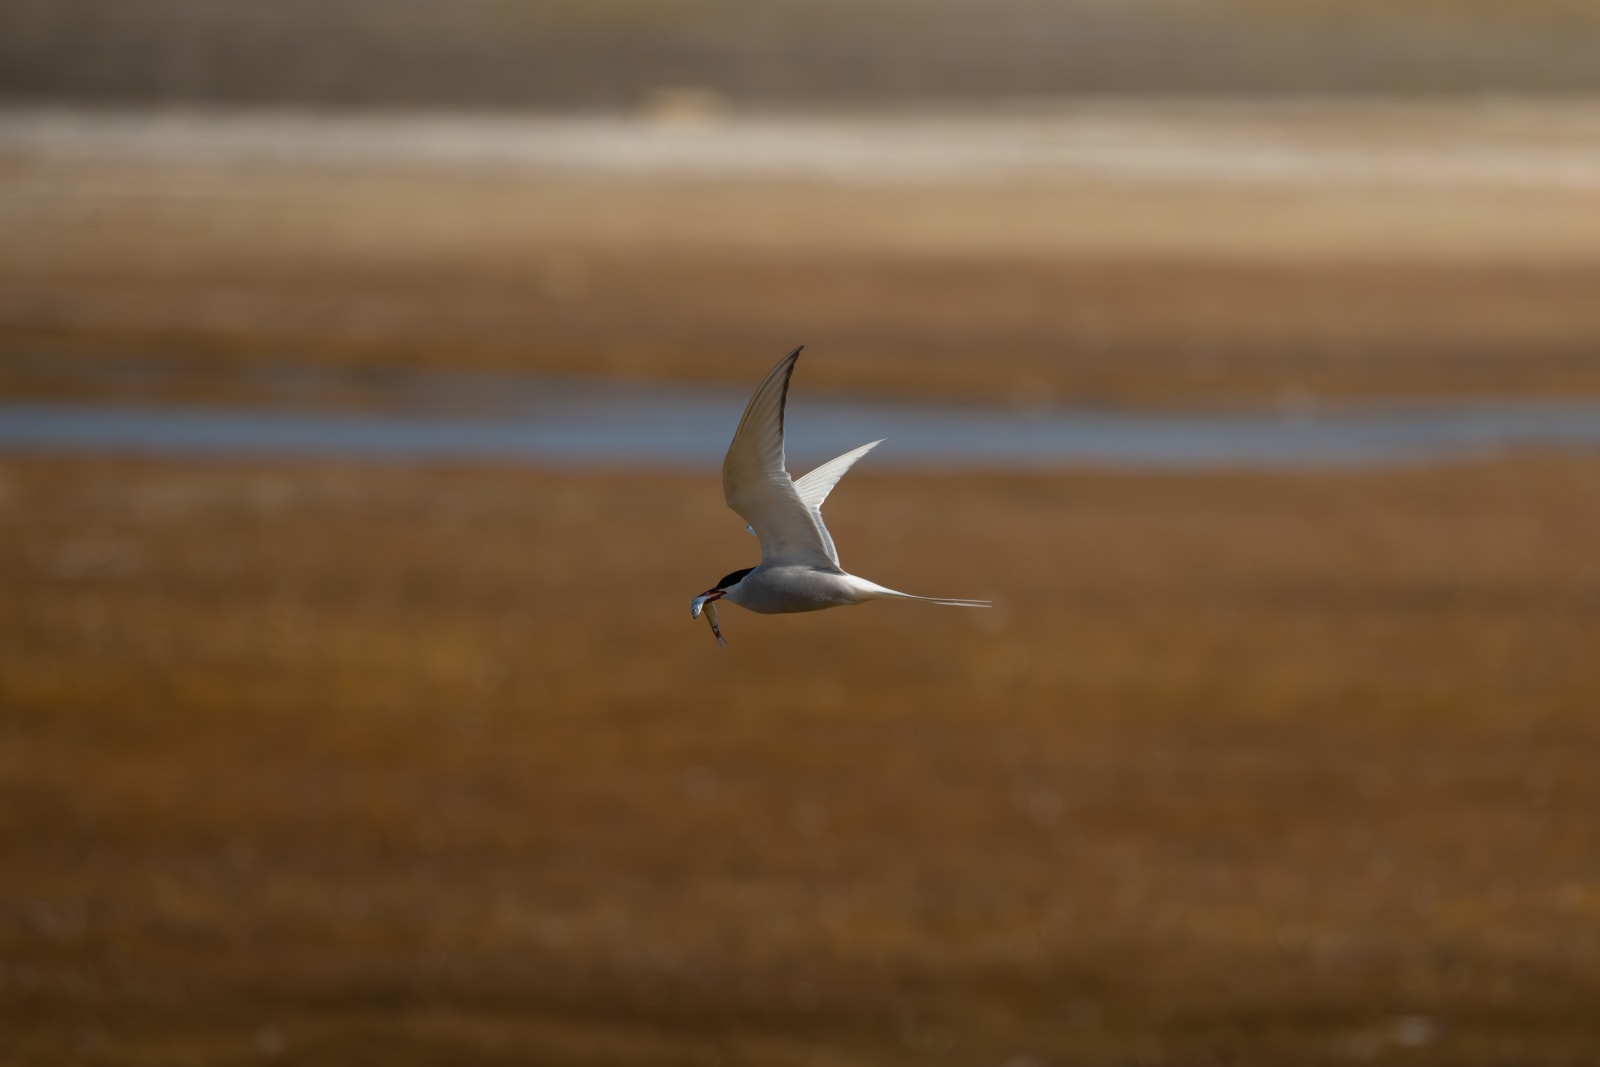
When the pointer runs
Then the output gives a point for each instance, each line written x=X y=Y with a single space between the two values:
x=322 y=763
x=330 y=763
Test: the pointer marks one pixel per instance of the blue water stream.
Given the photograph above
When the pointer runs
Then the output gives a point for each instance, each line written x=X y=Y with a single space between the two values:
x=575 y=423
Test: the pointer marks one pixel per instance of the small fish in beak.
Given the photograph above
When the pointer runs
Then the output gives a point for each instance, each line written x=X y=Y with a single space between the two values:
x=707 y=602
x=711 y=617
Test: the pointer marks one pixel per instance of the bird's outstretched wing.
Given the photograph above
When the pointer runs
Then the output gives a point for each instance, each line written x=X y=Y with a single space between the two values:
x=815 y=487
x=757 y=485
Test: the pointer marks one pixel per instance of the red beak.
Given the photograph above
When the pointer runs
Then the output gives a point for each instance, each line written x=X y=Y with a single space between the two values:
x=703 y=599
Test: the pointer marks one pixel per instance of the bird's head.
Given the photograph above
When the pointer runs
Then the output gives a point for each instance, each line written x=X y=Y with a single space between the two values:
x=718 y=591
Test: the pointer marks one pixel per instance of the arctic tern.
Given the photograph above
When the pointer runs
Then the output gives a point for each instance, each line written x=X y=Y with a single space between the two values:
x=799 y=569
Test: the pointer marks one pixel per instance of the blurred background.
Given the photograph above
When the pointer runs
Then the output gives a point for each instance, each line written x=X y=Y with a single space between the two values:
x=364 y=373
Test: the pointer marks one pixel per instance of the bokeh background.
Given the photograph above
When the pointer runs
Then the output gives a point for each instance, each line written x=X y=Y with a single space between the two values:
x=324 y=759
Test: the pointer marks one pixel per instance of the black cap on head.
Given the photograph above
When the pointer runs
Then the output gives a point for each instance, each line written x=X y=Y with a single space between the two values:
x=733 y=578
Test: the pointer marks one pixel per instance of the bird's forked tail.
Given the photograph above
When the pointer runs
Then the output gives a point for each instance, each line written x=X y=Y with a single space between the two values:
x=873 y=591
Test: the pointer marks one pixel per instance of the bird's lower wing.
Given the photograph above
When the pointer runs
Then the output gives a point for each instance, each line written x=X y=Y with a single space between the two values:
x=789 y=531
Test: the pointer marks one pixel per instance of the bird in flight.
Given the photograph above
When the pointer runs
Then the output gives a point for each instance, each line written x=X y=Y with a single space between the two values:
x=799 y=569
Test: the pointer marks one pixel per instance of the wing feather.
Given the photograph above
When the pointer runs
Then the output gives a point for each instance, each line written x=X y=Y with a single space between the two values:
x=815 y=487
x=757 y=486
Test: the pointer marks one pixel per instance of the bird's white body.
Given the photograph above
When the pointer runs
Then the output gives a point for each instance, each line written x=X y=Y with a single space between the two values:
x=799 y=569
x=789 y=587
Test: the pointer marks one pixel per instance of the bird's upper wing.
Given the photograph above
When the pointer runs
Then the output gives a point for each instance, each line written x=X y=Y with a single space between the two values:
x=815 y=487
x=757 y=486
